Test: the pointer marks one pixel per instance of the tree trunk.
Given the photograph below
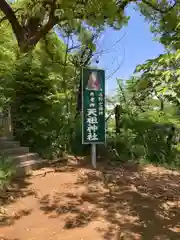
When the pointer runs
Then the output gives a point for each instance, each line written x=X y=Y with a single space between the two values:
x=10 y=15
x=117 y=112
x=26 y=38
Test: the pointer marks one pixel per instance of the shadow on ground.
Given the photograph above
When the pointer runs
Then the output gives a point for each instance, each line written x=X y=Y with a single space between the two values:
x=18 y=189
x=6 y=220
x=21 y=188
x=136 y=203
x=9 y=238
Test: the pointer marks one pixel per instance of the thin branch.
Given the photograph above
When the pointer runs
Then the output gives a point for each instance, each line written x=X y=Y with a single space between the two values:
x=74 y=47
x=119 y=66
x=108 y=50
x=110 y=115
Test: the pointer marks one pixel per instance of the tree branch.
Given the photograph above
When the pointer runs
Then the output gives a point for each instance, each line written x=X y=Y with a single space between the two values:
x=43 y=31
x=28 y=37
x=5 y=17
x=52 y=21
x=158 y=9
x=10 y=15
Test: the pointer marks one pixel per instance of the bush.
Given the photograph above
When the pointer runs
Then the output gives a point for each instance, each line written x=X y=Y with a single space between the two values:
x=38 y=121
x=144 y=140
x=7 y=170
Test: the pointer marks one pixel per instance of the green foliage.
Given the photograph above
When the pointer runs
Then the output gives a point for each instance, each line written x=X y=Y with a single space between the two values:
x=150 y=103
x=32 y=20
x=7 y=59
x=42 y=92
x=161 y=77
x=40 y=114
x=164 y=23
x=146 y=133
x=7 y=170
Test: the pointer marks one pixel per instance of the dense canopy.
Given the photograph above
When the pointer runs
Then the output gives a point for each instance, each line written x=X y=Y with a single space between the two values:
x=32 y=19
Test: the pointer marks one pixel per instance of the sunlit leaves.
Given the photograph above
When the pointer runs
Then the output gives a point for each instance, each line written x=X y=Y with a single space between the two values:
x=163 y=75
x=165 y=24
x=35 y=18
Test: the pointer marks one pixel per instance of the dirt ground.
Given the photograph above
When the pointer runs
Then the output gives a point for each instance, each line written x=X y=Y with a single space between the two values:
x=75 y=202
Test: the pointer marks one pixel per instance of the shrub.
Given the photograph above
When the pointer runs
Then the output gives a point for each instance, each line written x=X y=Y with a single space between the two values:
x=142 y=139
x=7 y=171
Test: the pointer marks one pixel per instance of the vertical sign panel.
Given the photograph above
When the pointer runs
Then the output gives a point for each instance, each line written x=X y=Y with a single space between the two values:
x=93 y=106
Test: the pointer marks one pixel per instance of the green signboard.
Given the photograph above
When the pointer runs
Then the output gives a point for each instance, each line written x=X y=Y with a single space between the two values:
x=93 y=106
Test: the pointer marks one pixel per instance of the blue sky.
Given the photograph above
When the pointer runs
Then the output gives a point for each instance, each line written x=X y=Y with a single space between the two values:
x=135 y=47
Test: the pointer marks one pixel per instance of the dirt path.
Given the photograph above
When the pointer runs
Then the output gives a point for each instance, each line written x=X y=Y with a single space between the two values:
x=82 y=204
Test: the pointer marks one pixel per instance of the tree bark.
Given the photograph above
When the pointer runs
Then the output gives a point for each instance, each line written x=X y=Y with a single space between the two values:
x=117 y=112
x=26 y=39
x=10 y=15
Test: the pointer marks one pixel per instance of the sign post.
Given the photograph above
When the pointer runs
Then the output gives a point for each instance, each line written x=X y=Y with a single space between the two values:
x=93 y=108
x=93 y=155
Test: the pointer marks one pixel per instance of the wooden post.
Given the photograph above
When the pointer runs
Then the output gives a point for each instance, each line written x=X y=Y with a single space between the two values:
x=117 y=112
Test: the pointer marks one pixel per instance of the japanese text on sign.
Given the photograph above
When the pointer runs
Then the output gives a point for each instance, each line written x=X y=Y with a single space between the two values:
x=93 y=114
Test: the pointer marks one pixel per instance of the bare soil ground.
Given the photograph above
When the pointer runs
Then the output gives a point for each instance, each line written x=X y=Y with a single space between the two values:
x=75 y=202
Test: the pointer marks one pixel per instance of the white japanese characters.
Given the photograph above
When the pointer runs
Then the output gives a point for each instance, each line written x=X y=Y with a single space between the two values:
x=96 y=108
x=100 y=105
x=93 y=106
x=92 y=120
x=92 y=100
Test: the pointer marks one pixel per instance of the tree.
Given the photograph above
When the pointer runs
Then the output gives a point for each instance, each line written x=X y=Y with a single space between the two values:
x=44 y=99
x=33 y=19
x=160 y=76
x=165 y=25
x=7 y=60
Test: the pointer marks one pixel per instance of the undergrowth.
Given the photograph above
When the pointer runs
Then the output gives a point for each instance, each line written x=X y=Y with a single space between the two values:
x=7 y=171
